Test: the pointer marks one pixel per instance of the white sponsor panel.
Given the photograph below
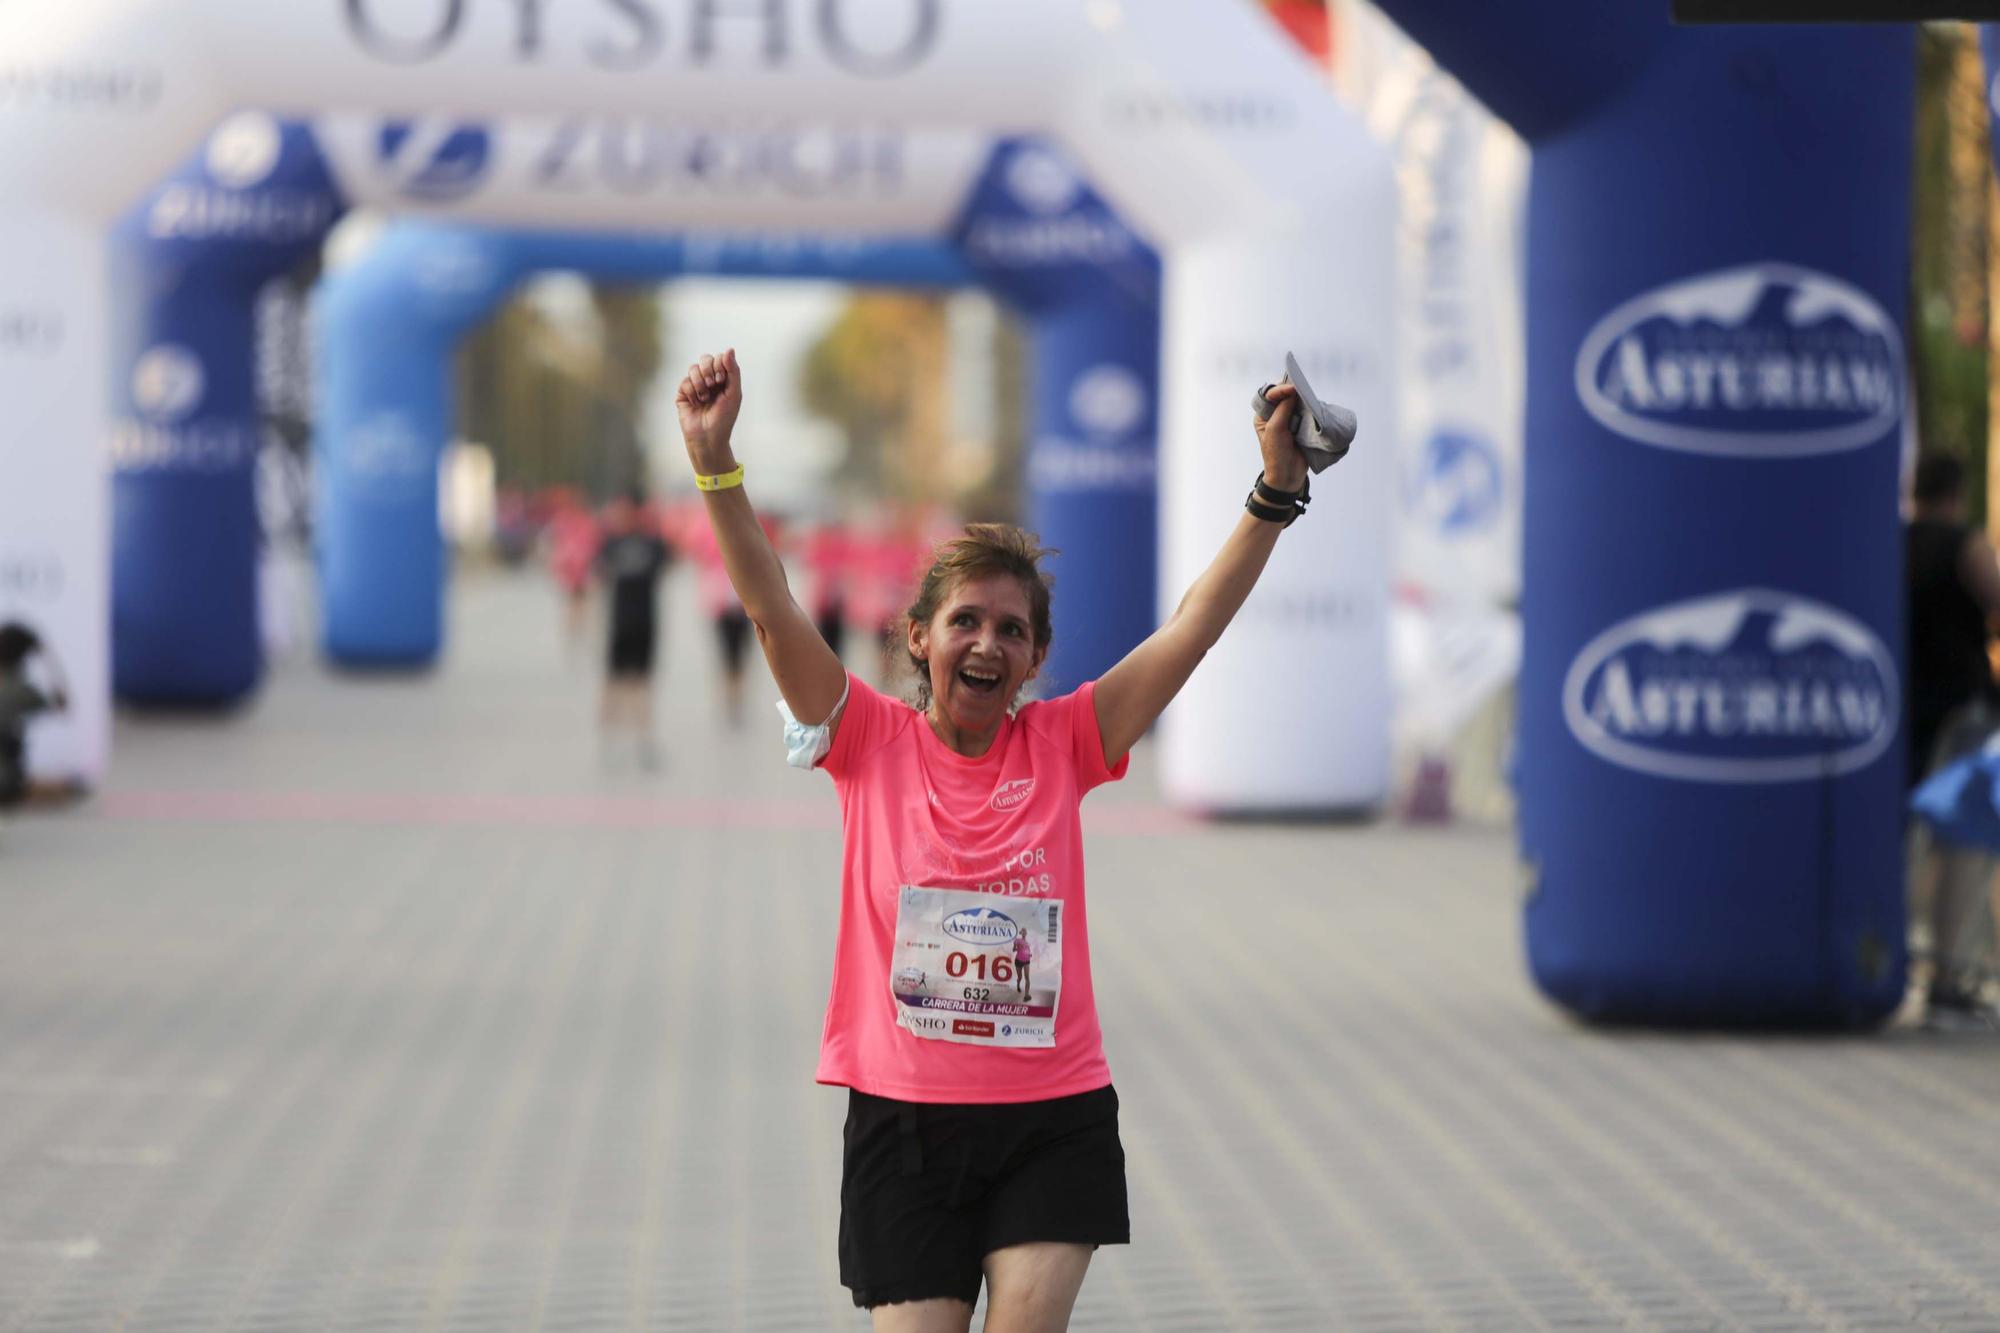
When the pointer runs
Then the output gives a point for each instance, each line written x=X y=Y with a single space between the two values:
x=1461 y=380
x=1311 y=642
x=1747 y=686
x=1766 y=360
x=54 y=573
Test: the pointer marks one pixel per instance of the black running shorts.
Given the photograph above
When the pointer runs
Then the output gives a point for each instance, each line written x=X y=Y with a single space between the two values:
x=928 y=1190
x=732 y=631
x=632 y=650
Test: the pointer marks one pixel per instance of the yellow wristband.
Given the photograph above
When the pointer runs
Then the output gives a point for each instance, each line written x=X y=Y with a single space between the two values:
x=721 y=481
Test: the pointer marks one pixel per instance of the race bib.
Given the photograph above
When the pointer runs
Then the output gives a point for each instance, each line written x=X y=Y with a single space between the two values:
x=977 y=967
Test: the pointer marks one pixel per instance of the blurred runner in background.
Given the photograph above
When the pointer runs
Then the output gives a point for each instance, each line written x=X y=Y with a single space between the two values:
x=828 y=551
x=721 y=605
x=573 y=538
x=630 y=561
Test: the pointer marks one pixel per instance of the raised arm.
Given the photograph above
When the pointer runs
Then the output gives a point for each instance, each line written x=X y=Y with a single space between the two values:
x=808 y=673
x=1133 y=694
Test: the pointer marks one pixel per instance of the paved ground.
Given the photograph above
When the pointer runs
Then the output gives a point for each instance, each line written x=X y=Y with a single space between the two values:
x=385 y=1005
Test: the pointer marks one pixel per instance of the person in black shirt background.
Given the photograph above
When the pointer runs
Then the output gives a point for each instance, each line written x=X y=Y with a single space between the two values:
x=1952 y=580
x=630 y=561
x=20 y=700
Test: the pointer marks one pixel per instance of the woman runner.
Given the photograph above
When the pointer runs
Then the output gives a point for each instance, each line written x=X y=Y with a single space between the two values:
x=982 y=1129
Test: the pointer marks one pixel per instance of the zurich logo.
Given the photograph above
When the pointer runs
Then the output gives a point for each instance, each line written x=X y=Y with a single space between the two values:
x=980 y=925
x=1107 y=400
x=243 y=151
x=1762 y=361
x=1752 y=685
x=434 y=161
x=1456 y=487
x=167 y=382
x=1041 y=181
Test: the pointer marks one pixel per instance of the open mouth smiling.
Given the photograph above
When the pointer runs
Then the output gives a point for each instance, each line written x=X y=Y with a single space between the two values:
x=978 y=680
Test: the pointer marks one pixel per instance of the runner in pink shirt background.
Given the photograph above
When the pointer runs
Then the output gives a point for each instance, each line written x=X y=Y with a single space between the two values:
x=981 y=1143
x=719 y=602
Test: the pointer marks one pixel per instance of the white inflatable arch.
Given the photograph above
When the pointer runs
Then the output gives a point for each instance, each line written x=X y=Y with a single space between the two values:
x=1200 y=122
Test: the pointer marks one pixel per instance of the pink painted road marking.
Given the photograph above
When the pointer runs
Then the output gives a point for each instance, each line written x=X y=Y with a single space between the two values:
x=551 y=811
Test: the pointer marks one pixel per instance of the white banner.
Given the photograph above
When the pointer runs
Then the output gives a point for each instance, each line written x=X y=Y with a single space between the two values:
x=1290 y=710
x=55 y=573
x=637 y=174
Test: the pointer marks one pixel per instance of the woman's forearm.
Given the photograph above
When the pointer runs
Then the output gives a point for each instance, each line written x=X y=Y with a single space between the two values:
x=1213 y=600
x=754 y=569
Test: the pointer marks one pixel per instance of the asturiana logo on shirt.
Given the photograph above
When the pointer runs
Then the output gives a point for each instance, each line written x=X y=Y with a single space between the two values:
x=1760 y=361
x=1752 y=685
x=981 y=925
x=1013 y=793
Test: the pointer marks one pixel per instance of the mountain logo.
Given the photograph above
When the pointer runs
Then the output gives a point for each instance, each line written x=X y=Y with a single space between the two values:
x=434 y=161
x=1762 y=361
x=980 y=925
x=1012 y=794
x=1750 y=685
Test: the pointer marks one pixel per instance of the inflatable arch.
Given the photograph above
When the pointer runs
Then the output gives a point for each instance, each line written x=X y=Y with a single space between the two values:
x=1031 y=232
x=1270 y=207
x=259 y=195
x=188 y=264
x=1709 y=751
x=257 y=198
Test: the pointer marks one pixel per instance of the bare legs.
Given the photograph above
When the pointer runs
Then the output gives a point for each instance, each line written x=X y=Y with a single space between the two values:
x=627 y=710
x=1029 y=1289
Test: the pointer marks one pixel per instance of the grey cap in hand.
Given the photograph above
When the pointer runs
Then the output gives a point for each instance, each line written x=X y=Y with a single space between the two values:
x=1323 y=430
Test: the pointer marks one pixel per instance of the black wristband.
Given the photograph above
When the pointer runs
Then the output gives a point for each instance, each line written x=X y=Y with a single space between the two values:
x=1271 y=495
x=1275 y=506
x=1258 y=509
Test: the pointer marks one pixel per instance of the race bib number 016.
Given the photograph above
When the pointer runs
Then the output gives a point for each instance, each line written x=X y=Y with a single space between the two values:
x=976 y=967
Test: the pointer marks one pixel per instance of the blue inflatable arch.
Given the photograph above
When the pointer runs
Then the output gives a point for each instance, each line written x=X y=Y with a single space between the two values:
x=388 y=324
x=189 y=261
x=1710 y=749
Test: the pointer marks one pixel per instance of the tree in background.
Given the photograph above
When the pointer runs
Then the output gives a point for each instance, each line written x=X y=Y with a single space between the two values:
x=882 y=373
x=879 y=373
x=560 y=406
x=631 y=345
x=1950 y=216
x=998 y=498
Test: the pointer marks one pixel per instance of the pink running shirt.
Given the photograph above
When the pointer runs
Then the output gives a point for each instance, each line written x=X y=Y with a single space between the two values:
x=1004 y=825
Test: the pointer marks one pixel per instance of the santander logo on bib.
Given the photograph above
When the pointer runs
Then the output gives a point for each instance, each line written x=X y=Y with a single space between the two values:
x=1751 y=685
x=1762 y=361
x=1012 y=794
